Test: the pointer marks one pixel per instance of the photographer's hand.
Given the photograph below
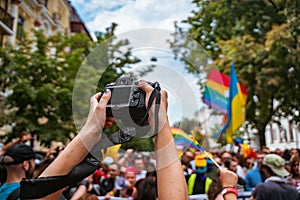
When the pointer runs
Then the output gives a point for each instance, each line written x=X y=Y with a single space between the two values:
x=97 y=119
x=79 y=147
x=169 y=171
x=163 y=107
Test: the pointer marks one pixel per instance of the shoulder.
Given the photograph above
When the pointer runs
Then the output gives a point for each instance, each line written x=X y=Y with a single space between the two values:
x=252 y=172
x=10 y=186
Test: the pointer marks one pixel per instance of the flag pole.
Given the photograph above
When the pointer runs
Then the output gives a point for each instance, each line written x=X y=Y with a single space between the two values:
x=207 y=154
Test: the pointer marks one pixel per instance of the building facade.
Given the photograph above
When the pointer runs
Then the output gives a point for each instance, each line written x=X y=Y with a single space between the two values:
x=19 y=17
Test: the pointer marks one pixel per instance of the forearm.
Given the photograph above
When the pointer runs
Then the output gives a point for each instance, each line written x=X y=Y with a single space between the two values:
x=7 y=146
x=79 y=146
x=230 y=196
x=66 y=160
x=169 y=172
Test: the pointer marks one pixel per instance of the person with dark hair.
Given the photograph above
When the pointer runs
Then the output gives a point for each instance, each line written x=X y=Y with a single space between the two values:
x=256 y=175
x=292 y=153
x=232 y=166
x=107 y=184
x=275 y=186
x=225 y=155
x=19 y=163
x=146 y=189
x=215 y=189
x=295 y=176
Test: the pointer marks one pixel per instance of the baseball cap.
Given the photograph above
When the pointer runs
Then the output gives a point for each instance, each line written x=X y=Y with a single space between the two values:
x=17 y=154
x=276 y=163
x=108 y=160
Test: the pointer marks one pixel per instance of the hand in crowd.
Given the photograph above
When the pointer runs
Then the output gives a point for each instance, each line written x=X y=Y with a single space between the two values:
x=228 y=178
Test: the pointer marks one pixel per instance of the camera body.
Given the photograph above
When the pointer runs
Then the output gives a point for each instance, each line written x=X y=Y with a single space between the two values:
x=127 y=102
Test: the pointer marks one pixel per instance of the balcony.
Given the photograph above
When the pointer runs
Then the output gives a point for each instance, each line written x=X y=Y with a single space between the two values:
x=6 y=22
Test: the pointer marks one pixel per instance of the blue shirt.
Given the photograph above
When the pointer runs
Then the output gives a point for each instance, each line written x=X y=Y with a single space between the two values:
x=7 y=189
x=253 y=178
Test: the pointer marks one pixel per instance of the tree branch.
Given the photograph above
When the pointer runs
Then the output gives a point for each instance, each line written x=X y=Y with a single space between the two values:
x=273 y=4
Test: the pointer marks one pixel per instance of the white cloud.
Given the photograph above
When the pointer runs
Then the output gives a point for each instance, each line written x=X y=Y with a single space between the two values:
x=132 y=14
x=137 y=14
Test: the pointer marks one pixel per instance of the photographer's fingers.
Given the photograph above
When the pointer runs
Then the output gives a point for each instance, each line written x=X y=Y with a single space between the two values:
x=145 y=86
x=94 y=100
x=105 y=97
x=109 y=122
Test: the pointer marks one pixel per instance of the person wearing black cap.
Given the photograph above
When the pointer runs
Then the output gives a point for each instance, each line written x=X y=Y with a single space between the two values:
x=19 y=163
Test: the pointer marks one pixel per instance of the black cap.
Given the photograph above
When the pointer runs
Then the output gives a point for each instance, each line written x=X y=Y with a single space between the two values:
x=17 y=154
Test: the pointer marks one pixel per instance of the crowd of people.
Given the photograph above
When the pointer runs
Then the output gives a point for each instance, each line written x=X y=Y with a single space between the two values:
x=140 y=175
x=264 y=174
x=135 y=171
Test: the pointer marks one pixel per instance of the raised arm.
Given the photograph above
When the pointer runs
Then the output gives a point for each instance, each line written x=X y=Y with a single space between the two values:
x=229 y=180
x=79 y=147
x=170 y=179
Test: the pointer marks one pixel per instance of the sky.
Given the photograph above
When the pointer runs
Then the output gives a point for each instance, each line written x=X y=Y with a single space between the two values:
x=132 y=14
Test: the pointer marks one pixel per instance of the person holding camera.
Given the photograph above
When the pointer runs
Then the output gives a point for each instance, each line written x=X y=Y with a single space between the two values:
x=91 y=133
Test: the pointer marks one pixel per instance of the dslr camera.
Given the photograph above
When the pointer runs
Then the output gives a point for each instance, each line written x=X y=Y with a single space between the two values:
x=127 y=102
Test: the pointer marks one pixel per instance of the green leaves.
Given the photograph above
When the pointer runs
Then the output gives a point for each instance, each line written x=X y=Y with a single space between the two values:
x=39 y=76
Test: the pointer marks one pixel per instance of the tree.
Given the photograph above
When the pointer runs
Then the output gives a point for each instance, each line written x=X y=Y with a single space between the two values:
x=38 y=76
x=262 y=39
x=48 y=82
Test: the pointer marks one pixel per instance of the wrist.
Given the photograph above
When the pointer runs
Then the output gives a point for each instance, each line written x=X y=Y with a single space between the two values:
x=228 y=186
x=229 y=191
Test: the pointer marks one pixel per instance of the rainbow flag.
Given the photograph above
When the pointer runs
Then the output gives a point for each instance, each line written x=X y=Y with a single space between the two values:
x=181 y=138
x=216 y=91
x=236 y=108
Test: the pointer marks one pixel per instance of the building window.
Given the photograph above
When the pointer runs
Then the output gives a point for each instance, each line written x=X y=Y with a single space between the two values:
x=20 y=28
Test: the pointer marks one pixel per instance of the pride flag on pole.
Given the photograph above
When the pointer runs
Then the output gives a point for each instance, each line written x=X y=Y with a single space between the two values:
x=181 y=138
x=236 y=107
x=216 y=92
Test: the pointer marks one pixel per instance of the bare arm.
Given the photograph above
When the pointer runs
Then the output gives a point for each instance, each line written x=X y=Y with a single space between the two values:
x=170 y=179
x=88 y=136
x=228 y=179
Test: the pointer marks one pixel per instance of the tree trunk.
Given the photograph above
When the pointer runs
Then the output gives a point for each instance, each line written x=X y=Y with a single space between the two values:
x=262 y=136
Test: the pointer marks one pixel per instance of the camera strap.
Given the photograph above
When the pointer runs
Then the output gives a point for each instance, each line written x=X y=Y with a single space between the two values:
x=36 y=188
x=157 y=96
